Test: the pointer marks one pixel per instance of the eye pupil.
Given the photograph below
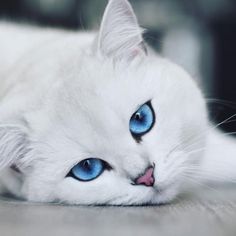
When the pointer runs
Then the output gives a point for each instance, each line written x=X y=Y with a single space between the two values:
x=86 y=165
x=138 y=116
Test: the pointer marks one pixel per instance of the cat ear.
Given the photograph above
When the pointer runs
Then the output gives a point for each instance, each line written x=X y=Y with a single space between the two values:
x=13 y=145
x=120 y=35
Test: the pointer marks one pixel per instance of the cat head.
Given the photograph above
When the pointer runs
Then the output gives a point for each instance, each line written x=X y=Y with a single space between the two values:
x=118 y=127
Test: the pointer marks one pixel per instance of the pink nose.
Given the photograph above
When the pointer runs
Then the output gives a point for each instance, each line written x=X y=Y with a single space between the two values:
x=147 y=179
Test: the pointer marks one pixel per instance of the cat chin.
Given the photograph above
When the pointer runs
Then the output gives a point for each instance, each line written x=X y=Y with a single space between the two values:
x=165 y=196
x=151 y=197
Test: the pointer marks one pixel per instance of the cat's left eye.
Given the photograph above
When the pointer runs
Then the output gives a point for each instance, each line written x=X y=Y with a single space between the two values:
x=88 y=169
x=142 y=121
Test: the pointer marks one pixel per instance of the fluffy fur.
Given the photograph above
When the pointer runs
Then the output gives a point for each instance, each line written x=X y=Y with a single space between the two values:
x=66 y=97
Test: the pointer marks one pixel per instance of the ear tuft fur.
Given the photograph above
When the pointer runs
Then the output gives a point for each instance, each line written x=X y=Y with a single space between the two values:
x=13 y=145
x=120 y=35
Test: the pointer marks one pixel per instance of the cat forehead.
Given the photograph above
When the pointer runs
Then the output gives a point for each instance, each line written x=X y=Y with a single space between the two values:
x=98 y=84
x=99 y=89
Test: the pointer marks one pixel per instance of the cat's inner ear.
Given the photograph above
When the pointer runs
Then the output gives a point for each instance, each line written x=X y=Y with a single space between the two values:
x=13 y=145
x=120 y=35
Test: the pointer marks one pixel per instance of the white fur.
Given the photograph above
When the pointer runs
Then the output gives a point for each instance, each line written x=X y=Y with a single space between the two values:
x=67 y=101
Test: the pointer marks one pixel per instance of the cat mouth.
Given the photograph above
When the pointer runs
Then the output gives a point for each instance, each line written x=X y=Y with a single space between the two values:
x=15 y=168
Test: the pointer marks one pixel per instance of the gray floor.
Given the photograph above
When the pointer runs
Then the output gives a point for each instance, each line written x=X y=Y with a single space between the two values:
x=212 y=212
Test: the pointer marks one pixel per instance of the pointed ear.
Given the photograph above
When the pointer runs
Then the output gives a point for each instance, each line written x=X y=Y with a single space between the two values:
x=13 y=145
x=120 y=35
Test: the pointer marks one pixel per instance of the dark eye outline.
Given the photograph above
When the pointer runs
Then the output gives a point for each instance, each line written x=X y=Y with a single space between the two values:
x=138 y=137
x=106 y=166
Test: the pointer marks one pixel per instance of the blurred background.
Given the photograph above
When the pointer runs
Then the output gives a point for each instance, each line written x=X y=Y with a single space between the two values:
x=200 y=35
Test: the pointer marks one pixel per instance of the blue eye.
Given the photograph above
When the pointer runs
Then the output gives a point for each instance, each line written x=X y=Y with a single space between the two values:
x=142 y=121
x=88 y=169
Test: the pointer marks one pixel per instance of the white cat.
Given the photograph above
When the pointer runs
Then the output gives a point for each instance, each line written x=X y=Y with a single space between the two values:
x=101 y=122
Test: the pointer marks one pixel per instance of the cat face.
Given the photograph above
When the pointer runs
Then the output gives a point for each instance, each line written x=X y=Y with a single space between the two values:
x=118 y=129
x=96 y=124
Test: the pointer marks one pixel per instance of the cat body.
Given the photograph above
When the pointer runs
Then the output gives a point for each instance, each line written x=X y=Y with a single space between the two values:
x=67 y=97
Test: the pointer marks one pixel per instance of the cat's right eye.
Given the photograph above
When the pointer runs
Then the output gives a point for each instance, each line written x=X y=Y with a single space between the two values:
x=88 y=169
x=142 y=121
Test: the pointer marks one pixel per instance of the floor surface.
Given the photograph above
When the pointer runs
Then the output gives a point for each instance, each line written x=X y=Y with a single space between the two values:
x=212 y=212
